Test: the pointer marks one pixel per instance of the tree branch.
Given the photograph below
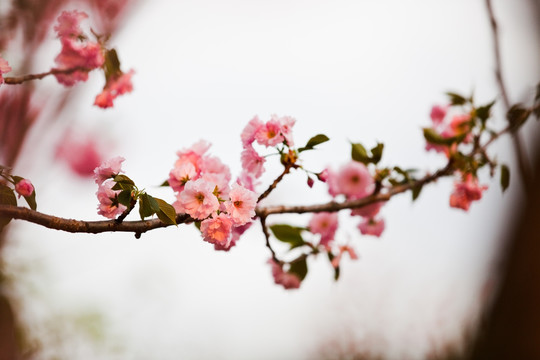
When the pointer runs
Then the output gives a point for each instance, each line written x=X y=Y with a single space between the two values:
x=16 y=80
x=522 y=159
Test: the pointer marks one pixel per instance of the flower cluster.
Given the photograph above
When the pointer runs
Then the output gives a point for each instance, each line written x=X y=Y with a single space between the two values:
x=354 y=181
x=78 y=52
x=109 y=206
x=201 y=183
x=276 y=131
x=449 y=125
x=466 y=191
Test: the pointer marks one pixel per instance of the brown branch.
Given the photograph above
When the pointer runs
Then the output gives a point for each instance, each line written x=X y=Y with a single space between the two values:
x=267 y=238
x=276 y=181
x=522 y=159
x=16 y=80
x=91 y=227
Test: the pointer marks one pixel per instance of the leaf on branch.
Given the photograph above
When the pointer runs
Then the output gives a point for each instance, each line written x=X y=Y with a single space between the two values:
x=299 y=267
x=433 y=137
x=376 y=153
x=123 y=179
x=289 y=234
x=7 y=197
x=148 y=206
x=483 y=112
x=456 y=99
x=124 y=198
x=416 y=192
x=359 y=153
x=517 y=115
x=336 y=269
x=166 y=212
x=505 y=177
x=165 y=183
x=314 y=141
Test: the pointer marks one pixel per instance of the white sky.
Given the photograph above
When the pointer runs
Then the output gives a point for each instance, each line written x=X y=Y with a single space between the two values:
x=363 y=71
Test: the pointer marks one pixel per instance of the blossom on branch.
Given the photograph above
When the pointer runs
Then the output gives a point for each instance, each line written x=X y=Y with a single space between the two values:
x=108 y=169
x=24 y=187
x=4 y=68
x=371 y=226
x=324 y=224
x=198 y=199
x=108 y=200
x=116 y=86
x=217 y=230
x=241 y=205
x=281 y=277
x=465 y=192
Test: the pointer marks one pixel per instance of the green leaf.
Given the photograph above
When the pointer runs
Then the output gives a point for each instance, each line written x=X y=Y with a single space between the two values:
x=517 y=115
x=289 y=234
x=456 y=99
x=197 y=225
x=336 y=269
x=359 y=153
x=299 y=267
x=165 y=183
x=123 y=179
x=505 y=177
x=314 y=141
x=148 y=206
x=7 y=197
x=433 y=137
x=377 y=152
x=166 y=212
x=124 y=198
x=416 y=192
x=483 y=112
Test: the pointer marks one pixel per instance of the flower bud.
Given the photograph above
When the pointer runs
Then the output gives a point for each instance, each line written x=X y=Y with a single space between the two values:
x=24 y=188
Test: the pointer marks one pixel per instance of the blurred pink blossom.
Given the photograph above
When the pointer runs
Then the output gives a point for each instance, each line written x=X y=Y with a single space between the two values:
x=466 y=192
x=325 y=224
x=371 y=226
x=287 y=280
x=24 y=187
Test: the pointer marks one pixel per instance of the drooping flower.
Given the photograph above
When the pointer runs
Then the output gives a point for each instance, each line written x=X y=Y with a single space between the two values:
x=368 y=211
x=108 y=200
x=248 y=134
x=353 y=180
x=241 y=206
x=325 y=224
x=24 y=187
x=371 y=226
x=4 y=68
x=287 y=123
x=252 y=162
x=270 y=133
x=342 y=250
x=115 y=87
x=108 y=169
x=465 y=192
x=198 y=199
x=448 y=124
x=217 y=230
x=281 y=277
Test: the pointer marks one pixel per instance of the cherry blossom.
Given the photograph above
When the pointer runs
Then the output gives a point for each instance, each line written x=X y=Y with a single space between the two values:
x=371 y=226
x=248 y=134
x=252 y=162
x=4 y=68
x=108 y=169
x=115 y=87
x=325 y=224
x=241 y=206
x=68 y=25
x=270 y=133
x=465 y=192
x=108 y=201
x=198 y=199
x=287 y=280
x=342 y=250
x=180 y=175
x=81 y=154
x=217 y=230
x=353 y=180
x=24 y=187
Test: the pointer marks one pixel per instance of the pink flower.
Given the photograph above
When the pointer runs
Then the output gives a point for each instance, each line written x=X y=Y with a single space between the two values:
x=323 y=175
x=248 y=134
x=119 y=85
x=108 y=169
x=24 y=188
x=466 y=192
x=287 y=123
x=193 y=154
x=252 y=162
x=108 y=200
x=368 y=211
x=198 y=199
x=212 y=164
x=371 y=226
x=331 y=178
x=344 y=249
x=217 y=230
x=270 y=133
x=74 y=54
x=325 y=224
x=69 y=24
x=82 y=155
x=287 y=280
x=4 y=68
x=438 y=113
x=235 y=236
x=180 y=175
x=241 y=206
x=247 y=180
x=219 y=183
x=354 y=180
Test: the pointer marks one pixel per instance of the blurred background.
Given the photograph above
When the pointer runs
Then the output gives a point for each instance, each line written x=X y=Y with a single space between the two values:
x=362 y=71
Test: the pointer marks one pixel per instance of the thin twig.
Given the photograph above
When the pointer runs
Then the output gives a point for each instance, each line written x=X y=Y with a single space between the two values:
x=276 y=181
x=16 y=80
x=267 y=237
x=522 y=159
